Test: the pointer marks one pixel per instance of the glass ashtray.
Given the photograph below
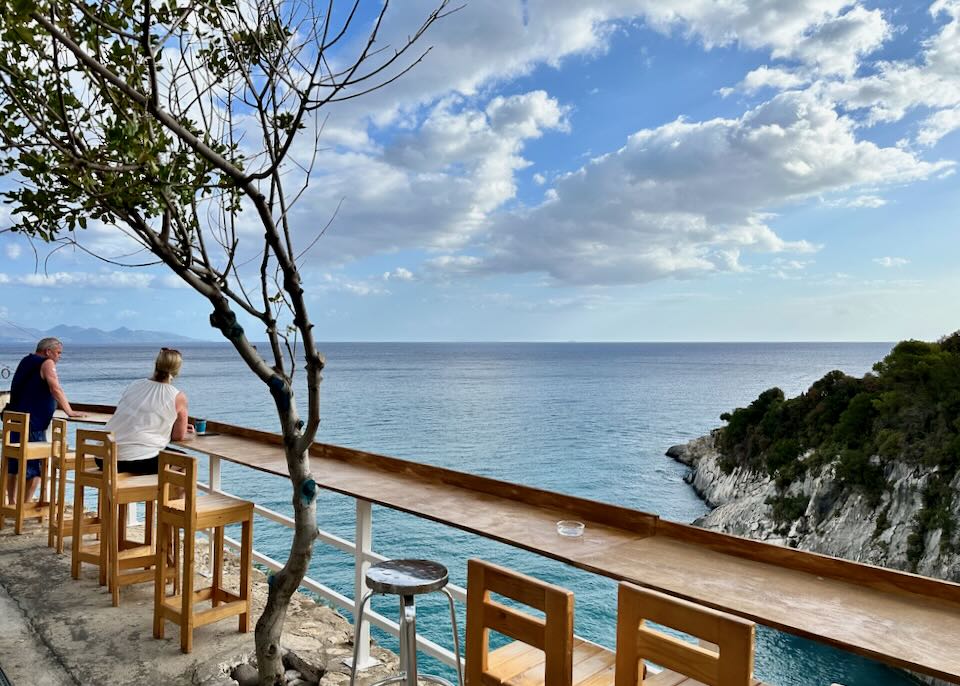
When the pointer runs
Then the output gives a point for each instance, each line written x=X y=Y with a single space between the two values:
x=570 y=527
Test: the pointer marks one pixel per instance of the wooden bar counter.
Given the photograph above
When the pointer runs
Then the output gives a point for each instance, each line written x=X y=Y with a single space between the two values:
x=901 y=619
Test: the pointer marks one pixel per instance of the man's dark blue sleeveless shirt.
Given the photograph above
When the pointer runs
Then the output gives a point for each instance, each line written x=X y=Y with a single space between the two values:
x=30 y=393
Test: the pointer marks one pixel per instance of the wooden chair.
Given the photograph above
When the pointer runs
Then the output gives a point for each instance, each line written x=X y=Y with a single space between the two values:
x=130 y=562
x=21 y=450
x=730 y=665
x=62 y=462
x=544 y=650
x=90 y=445
x=191 y=513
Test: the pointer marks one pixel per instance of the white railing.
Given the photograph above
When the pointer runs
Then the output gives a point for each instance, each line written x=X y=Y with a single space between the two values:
x=363 y=556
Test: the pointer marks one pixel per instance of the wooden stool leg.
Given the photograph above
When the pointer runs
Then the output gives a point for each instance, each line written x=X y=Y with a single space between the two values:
x=61 y=510
x=160 y=582
x=4 y=473
x=186 y=608
x=121 y=520
x=77 y=537
x=21 y=494
x=107 y=535
x=216 y=583
x=44 y=480
x=149 y=508
x=117 y=539
x=246 y=558
x=51 y=522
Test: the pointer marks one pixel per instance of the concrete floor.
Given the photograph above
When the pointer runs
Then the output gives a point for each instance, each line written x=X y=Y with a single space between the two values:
x=55 y=631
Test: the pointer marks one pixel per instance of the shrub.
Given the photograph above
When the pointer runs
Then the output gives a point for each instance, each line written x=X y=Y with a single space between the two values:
x=788 y=508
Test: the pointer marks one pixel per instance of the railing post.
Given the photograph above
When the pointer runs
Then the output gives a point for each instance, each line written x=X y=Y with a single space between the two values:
x=364 y=545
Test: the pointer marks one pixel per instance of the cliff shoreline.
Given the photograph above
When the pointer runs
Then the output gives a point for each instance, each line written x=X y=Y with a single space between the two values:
x=835 y=521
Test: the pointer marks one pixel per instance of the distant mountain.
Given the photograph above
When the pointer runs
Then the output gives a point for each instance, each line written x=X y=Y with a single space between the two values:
x=12 y=334
x=89 y=336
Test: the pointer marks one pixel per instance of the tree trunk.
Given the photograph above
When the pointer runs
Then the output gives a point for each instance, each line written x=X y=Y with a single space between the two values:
x=285 y=583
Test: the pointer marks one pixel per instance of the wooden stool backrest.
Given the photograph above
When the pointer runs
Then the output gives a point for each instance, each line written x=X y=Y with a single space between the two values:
x=18 y=423
x=553 y=634
x=177 y=469
x=96 y=444
x=58 y=442
x=731 y=666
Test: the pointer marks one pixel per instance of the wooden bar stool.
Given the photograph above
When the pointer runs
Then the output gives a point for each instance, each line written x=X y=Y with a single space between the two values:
x=62 y=462
x=191 y=513
x=90 y=445
x=130 y=562
x=21 y=450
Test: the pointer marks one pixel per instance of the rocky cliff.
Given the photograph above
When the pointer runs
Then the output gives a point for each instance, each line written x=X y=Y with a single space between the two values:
x=834 y=521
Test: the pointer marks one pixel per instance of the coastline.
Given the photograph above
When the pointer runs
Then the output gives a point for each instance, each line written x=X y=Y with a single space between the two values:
x=833 y=523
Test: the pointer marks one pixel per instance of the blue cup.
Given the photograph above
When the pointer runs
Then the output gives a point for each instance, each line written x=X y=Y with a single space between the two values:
x=200 y=425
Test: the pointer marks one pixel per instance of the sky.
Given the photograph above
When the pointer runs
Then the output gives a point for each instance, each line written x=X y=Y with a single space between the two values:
x=614 y=170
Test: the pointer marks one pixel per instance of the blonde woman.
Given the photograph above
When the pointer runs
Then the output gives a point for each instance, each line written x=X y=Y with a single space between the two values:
x=150 y=414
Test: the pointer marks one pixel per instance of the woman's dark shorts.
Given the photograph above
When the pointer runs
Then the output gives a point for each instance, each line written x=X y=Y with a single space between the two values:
x=148 y=466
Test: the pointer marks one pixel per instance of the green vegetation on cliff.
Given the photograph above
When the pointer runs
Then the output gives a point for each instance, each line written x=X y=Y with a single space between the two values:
x=908 y=409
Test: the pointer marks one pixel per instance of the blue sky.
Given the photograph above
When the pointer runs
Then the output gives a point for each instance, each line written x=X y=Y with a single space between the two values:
x=621 y=170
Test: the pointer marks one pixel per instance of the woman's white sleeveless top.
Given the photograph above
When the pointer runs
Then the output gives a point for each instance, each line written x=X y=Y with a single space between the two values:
x=144 y=419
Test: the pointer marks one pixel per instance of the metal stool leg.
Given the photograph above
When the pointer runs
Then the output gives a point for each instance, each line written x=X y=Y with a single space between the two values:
x=356 y=637
x=456 y=635
x=408 y=640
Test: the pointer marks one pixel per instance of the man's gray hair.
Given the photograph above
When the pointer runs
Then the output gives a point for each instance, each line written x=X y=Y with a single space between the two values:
x=48 y=344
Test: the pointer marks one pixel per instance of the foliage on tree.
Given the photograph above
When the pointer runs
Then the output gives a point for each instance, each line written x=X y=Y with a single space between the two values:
x=191 y=128
x=907 y=409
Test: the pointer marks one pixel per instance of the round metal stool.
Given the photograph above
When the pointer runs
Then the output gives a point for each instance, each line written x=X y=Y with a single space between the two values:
x=407 y=578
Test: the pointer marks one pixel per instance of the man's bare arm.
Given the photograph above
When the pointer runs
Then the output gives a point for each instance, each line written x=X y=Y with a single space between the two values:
x=48 y=372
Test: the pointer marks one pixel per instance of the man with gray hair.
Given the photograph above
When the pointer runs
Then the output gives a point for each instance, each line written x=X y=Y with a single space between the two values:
x=36 y=389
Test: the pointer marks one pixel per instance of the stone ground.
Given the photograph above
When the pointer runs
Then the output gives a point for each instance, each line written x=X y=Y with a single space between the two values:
x=55 y=631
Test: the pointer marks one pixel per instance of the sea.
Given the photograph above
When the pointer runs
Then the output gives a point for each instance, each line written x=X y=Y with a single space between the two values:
x=587 y=419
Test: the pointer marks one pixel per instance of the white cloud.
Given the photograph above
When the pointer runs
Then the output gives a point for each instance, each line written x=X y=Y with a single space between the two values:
x=490 y=42
x=837 y=45
x=128 y=279
x=931 y=81
x=685 y=198
x=830 y=35
x=938 y=125
x=333 y=283
x=126 y=314
x=539 y=179
x=891 y=261
x=398 y=274
x=431 y=188
x=173 y=281
x=13 y=250
x=95 y=301
x=867 y=201
x=767 y=77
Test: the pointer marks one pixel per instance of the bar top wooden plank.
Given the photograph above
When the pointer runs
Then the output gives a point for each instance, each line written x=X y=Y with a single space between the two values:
x=897 y=618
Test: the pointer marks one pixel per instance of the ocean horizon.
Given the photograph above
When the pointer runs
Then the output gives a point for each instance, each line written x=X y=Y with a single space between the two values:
x=587 y=419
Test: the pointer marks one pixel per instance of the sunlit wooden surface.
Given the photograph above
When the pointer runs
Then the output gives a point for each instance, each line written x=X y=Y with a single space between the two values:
x=897 y=618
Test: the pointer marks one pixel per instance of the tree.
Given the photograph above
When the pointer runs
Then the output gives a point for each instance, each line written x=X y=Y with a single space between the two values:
x=170 y=121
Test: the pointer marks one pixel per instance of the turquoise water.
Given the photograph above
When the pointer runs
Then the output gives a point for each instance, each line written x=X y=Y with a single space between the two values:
x=586 y=419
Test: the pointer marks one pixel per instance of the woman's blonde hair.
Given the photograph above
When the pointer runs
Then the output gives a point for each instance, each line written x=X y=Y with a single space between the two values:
x=167 y=365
